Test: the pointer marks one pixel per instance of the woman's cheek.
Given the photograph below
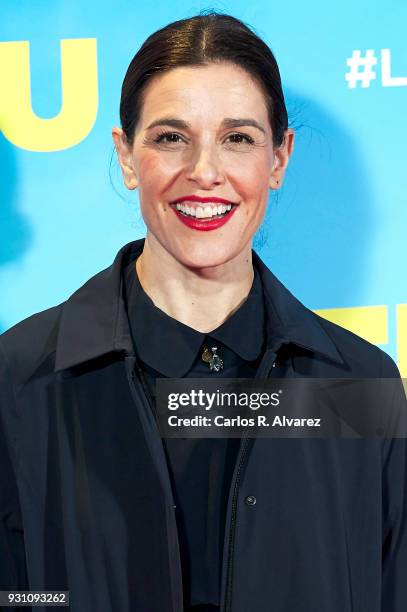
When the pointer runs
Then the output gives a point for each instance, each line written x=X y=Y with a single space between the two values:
x=147 y=167
x=167 y=161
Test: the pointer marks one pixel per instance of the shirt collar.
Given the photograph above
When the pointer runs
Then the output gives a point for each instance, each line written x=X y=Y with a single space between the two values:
x=94 y=320
x=170 y=347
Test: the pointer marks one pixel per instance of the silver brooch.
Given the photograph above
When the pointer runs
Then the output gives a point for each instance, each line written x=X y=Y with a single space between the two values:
x=215 y=362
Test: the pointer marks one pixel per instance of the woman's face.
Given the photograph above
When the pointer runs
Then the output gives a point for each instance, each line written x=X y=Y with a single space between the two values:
x=203 y=133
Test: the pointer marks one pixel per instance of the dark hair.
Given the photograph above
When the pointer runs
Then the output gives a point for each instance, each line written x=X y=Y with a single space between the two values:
x=198 y=41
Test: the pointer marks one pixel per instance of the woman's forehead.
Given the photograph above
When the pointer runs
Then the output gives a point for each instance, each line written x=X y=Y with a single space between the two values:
x=200 y=91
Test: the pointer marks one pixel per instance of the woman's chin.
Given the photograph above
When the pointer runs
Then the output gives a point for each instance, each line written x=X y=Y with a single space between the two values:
x=199 y=258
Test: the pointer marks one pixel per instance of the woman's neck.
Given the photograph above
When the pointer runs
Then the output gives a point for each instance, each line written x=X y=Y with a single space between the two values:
x=200 y=298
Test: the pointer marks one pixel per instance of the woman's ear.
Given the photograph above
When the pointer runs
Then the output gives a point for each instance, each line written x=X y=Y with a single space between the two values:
x=281 y=157
x=125 y=157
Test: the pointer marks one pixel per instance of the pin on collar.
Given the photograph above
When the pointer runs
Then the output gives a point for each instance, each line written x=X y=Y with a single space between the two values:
x=215 y=362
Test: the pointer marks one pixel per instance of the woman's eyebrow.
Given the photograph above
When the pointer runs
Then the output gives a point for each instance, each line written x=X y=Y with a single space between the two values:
x=232 y=123
x=228 y=122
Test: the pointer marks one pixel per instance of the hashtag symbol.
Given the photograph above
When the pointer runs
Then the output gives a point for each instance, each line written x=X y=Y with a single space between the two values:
x=366 y=63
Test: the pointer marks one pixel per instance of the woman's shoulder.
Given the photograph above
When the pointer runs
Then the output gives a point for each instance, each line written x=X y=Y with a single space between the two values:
x=364 y=357
x=34 y=339
x=89 y=312
x=29 y=340
x=353 y=355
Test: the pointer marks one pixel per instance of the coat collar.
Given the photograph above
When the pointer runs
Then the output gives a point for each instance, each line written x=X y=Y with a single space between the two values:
x=158 y=338
x=94 y=320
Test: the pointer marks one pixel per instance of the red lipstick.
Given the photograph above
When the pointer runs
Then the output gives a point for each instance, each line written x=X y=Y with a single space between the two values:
x=195 y=198
x=207 y=223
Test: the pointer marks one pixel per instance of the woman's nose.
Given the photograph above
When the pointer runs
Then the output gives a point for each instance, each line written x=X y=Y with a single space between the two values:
x=205 y=168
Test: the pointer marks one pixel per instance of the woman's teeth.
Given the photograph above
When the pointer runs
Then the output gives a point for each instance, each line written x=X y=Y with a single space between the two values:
x=204 y=212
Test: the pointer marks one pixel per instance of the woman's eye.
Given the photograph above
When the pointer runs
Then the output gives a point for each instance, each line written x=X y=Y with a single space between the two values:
x=241 y=138
x=168 y=138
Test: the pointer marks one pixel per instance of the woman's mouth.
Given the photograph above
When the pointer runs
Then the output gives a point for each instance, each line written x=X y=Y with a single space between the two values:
x=204 y=217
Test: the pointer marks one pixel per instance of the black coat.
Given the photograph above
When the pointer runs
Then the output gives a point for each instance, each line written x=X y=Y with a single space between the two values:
x=85 y=497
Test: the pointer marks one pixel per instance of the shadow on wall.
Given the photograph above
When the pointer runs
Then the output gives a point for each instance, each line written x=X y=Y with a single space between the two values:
x=318 y=229
x=15 y=233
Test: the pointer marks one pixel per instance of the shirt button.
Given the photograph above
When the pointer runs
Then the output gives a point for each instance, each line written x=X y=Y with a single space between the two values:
x=274 y=364
x=250 y=500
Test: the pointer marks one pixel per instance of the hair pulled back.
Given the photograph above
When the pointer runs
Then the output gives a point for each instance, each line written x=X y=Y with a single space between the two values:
x=199 y=41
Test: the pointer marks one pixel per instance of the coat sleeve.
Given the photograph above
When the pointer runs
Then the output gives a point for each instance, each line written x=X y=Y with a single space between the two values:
x=13 y=569
x=394 y=479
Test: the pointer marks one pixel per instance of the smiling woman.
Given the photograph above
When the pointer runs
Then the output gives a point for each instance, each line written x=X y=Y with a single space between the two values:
x=94 y=500
x=202 y=153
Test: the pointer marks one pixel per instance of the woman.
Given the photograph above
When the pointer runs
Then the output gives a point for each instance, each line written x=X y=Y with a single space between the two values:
x=94 y=501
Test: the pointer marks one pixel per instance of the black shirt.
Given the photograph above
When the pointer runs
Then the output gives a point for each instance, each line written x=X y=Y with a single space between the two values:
x=200 y=469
